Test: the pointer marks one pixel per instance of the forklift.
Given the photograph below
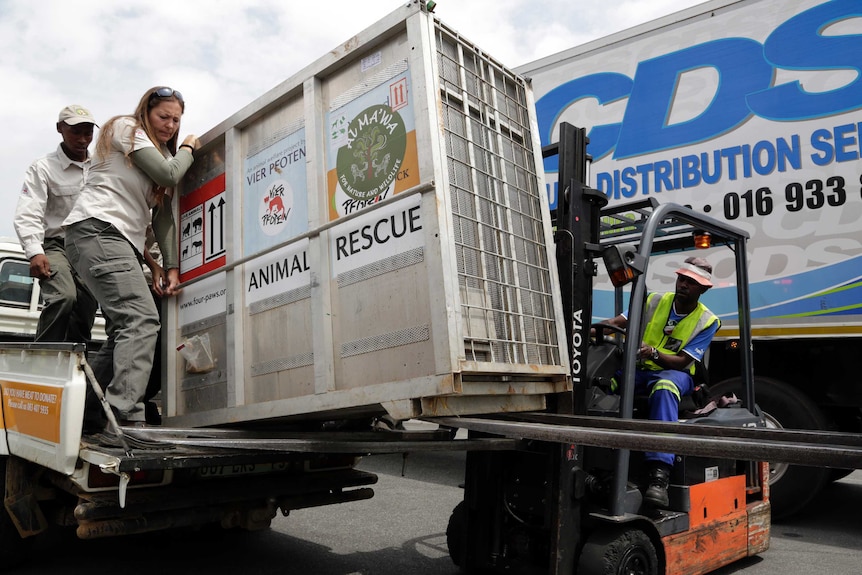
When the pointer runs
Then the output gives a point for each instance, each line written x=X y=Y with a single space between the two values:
x=556 y=506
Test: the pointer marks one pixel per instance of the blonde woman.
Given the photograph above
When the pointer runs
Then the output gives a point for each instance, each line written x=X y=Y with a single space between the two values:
x=135 y=166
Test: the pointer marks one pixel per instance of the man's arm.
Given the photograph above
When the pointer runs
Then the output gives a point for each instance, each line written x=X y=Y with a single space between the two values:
x=619 y=321
x=694 y=351
x=29 y=221
x=678 y=362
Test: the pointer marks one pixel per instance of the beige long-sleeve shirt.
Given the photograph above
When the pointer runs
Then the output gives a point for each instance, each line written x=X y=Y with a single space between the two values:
x=51 y=187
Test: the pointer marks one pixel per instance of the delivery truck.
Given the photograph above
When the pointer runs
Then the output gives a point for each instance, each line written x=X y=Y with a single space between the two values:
x=749 y=111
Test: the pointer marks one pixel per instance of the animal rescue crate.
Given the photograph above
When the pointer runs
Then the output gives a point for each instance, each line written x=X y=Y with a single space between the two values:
x=371 y=236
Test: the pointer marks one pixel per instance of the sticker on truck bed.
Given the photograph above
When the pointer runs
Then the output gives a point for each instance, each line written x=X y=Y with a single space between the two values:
x=32 y=410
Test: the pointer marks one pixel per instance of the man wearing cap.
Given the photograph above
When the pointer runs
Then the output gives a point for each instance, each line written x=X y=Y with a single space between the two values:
x=51 y=186
x=678 y=330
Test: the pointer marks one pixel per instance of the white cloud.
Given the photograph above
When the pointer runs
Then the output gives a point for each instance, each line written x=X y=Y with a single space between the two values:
x=224 y=54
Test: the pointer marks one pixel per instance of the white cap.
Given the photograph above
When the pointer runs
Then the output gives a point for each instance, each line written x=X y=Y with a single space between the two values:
x=75 y=114
x=697 y=269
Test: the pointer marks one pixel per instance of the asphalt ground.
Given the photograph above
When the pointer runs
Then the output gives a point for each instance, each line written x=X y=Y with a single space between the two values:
x=402 y=531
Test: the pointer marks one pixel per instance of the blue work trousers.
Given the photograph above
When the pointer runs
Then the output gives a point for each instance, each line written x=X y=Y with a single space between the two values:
x=111 y=268
x=664 y=389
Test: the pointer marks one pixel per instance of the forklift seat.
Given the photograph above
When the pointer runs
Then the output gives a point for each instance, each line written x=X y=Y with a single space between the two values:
x=605 y=360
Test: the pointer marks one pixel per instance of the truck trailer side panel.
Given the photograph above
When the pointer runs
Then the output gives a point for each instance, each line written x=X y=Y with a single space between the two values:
x=747 y=110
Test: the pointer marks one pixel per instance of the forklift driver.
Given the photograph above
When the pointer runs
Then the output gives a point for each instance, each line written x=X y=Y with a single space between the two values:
x=678 y=330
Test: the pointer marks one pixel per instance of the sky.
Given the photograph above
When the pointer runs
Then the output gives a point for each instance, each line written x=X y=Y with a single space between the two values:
x=224 y=54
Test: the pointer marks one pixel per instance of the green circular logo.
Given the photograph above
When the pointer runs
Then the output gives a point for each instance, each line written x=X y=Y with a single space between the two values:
x=369 y=163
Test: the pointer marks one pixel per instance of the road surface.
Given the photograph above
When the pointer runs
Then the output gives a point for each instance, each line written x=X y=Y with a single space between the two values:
x=402 y=531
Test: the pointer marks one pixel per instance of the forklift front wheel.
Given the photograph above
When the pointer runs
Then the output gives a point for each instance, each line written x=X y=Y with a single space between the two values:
x=456 y=532
x=618 y=551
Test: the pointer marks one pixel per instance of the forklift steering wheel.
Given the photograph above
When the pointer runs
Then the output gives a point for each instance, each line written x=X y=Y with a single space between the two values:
x=600 y=336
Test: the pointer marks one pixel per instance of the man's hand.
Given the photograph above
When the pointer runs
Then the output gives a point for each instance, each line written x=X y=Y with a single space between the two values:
x=646 y=352
x=172 y=282
x=40 y=267
x=159 y=280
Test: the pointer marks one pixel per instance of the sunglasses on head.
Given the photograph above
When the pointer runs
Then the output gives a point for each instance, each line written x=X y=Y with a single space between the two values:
x=167 y=93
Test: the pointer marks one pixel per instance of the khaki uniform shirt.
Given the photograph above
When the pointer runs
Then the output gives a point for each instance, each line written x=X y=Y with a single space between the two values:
x=51 y=186
x=116 y=191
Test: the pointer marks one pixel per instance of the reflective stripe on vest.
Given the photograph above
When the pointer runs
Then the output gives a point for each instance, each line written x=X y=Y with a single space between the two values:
x=657 y=311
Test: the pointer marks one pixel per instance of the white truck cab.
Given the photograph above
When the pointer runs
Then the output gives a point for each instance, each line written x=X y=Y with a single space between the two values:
x=20 y=297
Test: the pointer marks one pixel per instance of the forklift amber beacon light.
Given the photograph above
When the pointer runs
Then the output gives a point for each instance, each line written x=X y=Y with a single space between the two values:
x=702 y=239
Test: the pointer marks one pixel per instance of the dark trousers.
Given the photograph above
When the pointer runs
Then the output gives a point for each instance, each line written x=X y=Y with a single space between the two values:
x=70 y=308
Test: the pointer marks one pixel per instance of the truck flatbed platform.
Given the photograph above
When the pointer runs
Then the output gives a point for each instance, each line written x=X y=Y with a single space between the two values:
x=180 y=448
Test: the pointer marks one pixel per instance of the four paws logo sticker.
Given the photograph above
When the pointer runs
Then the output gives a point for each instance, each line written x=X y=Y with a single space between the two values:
x=275 y=207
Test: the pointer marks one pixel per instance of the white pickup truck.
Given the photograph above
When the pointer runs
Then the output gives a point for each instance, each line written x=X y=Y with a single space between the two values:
x=19 y=293
x=20 y=300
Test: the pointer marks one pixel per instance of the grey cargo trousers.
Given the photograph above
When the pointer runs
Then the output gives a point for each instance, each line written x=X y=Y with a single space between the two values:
x=111 y=268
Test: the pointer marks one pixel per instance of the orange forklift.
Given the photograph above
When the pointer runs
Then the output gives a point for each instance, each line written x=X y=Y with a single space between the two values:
x=570 y=499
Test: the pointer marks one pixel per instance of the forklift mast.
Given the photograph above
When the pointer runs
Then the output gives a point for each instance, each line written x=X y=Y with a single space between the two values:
x=577 y=224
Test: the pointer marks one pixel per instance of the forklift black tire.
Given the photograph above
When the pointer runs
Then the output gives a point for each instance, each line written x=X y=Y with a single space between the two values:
x=791 y=487
x=618 y=551
x=456 y=532
x=14 y=550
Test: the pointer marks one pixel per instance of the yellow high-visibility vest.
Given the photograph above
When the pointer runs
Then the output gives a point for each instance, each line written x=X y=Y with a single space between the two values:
x=656 y=313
